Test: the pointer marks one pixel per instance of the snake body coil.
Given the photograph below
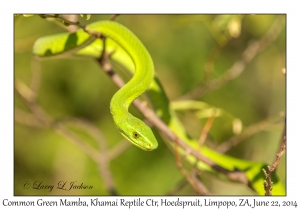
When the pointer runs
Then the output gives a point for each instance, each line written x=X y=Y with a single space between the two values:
x=135 y=130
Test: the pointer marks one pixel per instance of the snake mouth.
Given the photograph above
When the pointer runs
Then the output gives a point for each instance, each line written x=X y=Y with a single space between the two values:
x=145 y=147
x=150 y=148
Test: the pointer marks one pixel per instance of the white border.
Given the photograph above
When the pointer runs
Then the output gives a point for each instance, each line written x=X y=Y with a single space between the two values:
x=154 y=6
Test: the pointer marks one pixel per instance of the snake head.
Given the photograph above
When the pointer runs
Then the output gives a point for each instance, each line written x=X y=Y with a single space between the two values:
x=138 y=133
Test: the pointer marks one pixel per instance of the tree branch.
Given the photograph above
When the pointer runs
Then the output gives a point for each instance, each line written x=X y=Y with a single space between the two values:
x=268 y=184
x=163 y=128
x=68 y=22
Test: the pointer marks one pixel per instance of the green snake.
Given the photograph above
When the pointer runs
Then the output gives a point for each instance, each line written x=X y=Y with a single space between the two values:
x=128 y=51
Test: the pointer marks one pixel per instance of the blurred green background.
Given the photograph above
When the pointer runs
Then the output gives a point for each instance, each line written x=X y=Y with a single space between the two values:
x=188 y=51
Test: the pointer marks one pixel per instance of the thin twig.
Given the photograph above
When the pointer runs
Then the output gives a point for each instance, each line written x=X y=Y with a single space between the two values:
x=283 y=136
x=198 y=187
x=103 y=165
x=206 y=129
x=75 y=23
x=88 y=127
x=268 y=184
x=35 y=78
x=86 y=148
x=73 y=18
x=179 y=187
x=113 y=17
x=280 y=153
x=118 y=149
x=25 y=118
x=22 y=89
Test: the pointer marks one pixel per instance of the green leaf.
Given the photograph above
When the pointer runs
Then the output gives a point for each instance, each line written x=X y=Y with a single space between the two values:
x=85 y=16
x=28 y=15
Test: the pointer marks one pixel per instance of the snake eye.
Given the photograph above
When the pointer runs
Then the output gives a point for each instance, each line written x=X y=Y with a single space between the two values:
x=136 y=135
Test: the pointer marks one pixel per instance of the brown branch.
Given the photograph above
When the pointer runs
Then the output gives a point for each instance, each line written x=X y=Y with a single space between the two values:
x=99 y=157
x=118 y=149
x=179 y=187
x=206 y=129
x=194 y=182
x=280 y=153
x=46 y=121
x=283 y=136
x=73 y=18
x=113 y=17
x=89 y=128
x=75 y=23
x=35 y=77
x=268 y=184
x=239 y=66
x=200 y=185
x=163 y=128
x=103 y=165
x=105 y=155
x=25 y=118
x=86 y=148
